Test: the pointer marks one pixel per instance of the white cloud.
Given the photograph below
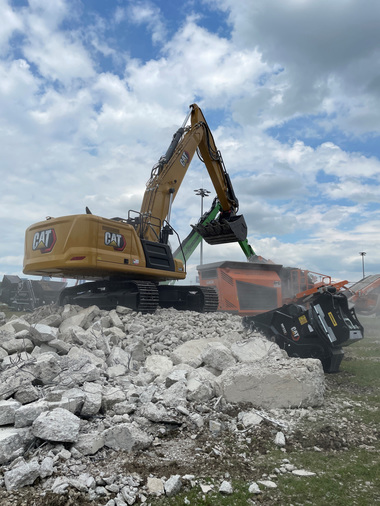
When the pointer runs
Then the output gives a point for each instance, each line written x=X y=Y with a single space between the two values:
x=329 y=53
x=219 y=72
x=148 y=14
x=11 y=22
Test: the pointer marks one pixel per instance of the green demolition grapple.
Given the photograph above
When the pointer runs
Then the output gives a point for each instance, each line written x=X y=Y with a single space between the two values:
x=317 y=329
x=223 y=230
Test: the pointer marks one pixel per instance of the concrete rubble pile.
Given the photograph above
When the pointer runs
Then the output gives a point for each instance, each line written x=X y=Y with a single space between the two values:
x=74 y=382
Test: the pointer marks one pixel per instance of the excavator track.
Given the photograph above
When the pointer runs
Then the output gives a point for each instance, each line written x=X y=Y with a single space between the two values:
x=143 y=296
x=189 y=298
x=211 y=300
x=138 y=295
x=148 y=296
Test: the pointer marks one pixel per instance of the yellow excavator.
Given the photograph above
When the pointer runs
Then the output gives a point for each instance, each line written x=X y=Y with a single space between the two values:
x=123 y=260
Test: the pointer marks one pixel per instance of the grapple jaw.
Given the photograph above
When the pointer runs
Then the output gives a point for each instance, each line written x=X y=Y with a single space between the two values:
x=223 y=230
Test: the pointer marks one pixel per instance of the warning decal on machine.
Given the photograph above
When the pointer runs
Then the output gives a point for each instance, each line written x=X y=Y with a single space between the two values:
x=184 y=158
x=333 y=321
x=302 y=319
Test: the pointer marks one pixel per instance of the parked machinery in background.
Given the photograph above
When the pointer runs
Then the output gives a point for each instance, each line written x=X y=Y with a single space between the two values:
x=22 y=294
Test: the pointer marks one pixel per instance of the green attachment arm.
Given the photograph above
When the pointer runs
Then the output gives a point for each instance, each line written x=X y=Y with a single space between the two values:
x=248 y=250
x=190 y=243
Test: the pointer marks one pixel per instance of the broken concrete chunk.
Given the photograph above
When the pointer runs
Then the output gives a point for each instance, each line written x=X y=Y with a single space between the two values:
x=90 y=443
x=116 y=371
x=290 y=383
x=218 y=356
x=73 y=400
x=8 y=409
x=18 y=324
x=122 y=310
x=200 y=385
x=47 y=367
x=77 y=371
x=280 y=440
x=137 y=350
x=82 y=319
x=92 y=400
x=13 y=442
x=255 y=349
x=226 y=488
x=11 y=380
x=3 y=354
x=250 y=419
x=57 y=425
x=115 y=319
x=155 y=412
x=26 y=414
x=22 y=475
x=190 y=352
x=111 y=396
x=175 y=395
x=78 y=353
x=173 y=485
x=159 y=365
x=119 y=356
x=17 y=360
x=27 y=393
x=155 y=486
x=176 y=375
x=53 y=320
x=60 y=346
x=47 y=467
x=43 y=333
x=126 y=436
x=17 y=345
x=114 y=335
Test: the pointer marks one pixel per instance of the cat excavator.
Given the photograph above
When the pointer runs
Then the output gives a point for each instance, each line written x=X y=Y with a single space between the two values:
x=123 y=260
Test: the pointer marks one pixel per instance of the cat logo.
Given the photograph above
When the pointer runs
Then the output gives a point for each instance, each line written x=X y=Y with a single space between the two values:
x=44 y=240
x=117 y=241
x=295 y=334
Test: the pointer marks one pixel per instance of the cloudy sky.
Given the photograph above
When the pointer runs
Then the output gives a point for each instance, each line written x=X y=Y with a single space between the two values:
x=91 y=92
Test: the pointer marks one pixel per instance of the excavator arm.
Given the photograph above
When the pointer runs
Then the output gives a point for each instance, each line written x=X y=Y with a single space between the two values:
x=167 y=176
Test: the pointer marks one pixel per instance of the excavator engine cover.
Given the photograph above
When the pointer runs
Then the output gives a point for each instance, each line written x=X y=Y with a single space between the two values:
x=223 y=231
x=318 y=331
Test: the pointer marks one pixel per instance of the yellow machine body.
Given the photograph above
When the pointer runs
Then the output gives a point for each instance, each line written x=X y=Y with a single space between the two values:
x=85 y=246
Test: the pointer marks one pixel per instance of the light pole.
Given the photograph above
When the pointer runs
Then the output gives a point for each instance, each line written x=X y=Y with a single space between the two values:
x=363 y=254
x=203 y=193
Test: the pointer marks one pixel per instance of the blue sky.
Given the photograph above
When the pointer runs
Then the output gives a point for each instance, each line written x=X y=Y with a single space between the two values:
x=92 y=91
